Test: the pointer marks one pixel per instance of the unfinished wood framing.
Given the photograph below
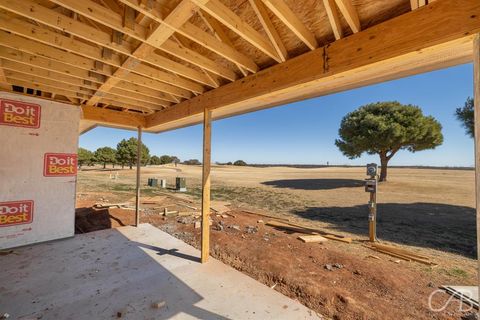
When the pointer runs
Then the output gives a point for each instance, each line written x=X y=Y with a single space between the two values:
x=161 y=64
x=283 y=12
x=333 y=17
x=350 y=13
x=207 y=150
x=419 y=41
x=138 y=176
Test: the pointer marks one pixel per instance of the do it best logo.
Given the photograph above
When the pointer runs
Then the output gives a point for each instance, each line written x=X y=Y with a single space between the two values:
x=16 y=212
x=19 y=114
x=60 y=165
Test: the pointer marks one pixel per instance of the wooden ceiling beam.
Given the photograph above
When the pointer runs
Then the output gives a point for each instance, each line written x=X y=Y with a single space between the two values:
x=103 y=15
x=333 y=18
x=290 y=19
x=183 y=52
x=195 y=34
x=227 y=17
x=51 y=46
x=414 y=4
x=262 y=14
x=16 y=42
x=215 y=27
x=3 y=80
x=32 y=10
x=49 y=82
x=47 y=88
x=350 y=14
x=70 y=80
x=48 y=74
x=369 y=53
x=118 y=95
x=59 y=41
x=45 y=66
x=109 y=117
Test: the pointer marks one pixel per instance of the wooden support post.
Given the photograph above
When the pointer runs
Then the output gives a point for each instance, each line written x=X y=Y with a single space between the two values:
x=372 y=219
x=139 y=162
x=476 y=94
x=207 y=135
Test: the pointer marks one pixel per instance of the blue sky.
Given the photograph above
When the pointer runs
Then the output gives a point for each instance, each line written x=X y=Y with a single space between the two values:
x=305 y=132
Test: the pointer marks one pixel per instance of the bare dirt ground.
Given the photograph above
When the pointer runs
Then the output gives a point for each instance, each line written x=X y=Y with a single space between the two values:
x=424 y=210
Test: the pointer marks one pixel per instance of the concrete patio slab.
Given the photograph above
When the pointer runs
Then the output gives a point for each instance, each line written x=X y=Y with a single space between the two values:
x=123 y=272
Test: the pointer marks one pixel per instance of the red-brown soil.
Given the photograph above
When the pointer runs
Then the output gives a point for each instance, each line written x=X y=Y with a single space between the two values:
x=363 y=288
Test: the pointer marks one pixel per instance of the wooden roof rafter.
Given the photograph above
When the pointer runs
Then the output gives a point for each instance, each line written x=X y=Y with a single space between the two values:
x=228 y=18
x=267 y=24
x=113 y=20
x=98 y=37
x=22 y=60
x=196 y=34
x=170 y=59
x=286 y=15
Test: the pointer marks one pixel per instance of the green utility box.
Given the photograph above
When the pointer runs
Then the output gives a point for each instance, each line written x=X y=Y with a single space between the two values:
x=181 y=184
x=152 y=182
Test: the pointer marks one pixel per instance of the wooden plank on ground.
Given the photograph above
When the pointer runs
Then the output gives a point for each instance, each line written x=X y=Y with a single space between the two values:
x=288 y=227
x=337 y=238
x=312 y=238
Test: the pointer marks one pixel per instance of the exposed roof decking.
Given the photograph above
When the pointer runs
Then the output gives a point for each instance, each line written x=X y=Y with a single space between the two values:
x=168 y=60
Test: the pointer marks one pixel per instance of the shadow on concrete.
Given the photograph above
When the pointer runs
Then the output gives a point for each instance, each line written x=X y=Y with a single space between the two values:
x=100 y=275
x=315 y=184
x=172 y=252
x=431 y=225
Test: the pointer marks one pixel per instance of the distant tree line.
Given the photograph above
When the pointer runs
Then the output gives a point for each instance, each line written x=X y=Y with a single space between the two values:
x=236 y=163
x=124 y=155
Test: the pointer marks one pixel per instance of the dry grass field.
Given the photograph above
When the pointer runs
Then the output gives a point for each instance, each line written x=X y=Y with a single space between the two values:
x=430 y=211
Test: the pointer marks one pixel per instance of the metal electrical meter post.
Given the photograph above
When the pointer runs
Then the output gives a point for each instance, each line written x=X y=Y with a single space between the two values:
x=371 y=184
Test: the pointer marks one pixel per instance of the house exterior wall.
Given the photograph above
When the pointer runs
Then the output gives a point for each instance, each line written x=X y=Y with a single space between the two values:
x=38 y=166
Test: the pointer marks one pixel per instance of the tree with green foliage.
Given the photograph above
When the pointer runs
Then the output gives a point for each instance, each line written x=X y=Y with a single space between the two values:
x=384 y=128
x=192 y=162
x=84 y=157
x=105 y=155
x=127 y=152
x=165 y=159
x=155 y=161
x=239 y=163
x=465 y=115
x=175 y=160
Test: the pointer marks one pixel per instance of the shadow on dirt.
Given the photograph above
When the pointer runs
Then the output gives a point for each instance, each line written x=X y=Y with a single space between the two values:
x=315 y=184
x=88 y=219
x=431 y=225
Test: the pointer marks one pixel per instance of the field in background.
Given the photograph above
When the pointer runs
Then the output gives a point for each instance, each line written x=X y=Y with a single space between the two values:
x=427 y=210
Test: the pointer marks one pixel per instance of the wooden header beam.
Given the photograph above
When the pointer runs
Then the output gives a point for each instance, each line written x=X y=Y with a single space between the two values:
x=441 y=25
x=110 y=117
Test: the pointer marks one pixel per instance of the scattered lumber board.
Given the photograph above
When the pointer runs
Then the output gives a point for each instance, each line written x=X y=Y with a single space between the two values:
x=220 y=207
x=301 y=229
x=110 y=205
x=394 y=255
x=312 y=238
x=281 y=225
x=263 y=215
x=398 y=250
x=337 y=238
x=401 y=253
